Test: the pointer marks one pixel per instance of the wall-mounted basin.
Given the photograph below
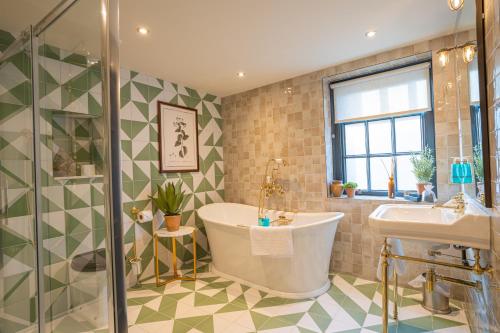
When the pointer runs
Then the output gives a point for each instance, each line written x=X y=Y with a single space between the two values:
x=435 y=224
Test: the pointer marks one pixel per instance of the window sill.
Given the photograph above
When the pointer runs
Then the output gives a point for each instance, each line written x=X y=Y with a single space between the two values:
x=374 y=198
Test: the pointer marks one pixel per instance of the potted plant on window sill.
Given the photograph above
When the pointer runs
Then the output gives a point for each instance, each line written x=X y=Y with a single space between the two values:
x=350 y=189
x=423 y=168
x=169 y=200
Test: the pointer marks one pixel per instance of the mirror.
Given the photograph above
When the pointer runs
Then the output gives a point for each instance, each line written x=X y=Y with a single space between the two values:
x=476 y=130
x=458 y=62
x=456 y=69
x=465 y=63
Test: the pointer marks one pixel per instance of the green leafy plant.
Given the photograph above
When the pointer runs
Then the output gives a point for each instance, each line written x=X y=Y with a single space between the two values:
x=423 y=165
x=350 y=185
x=477 y=159
x=180 y=126
x=169 y=199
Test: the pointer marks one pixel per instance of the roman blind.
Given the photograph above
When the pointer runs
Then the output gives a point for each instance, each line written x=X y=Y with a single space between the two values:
x=397 y=92
x=474 y=82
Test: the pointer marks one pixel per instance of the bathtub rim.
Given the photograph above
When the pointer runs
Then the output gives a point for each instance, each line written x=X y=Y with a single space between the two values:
x=334 y=218
x=310 y=294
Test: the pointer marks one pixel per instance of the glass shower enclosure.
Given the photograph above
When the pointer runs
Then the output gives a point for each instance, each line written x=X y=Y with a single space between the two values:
x=61 y=258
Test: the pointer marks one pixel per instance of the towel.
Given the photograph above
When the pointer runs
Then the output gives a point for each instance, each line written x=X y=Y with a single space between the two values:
x=271 y=241
x=395 y=248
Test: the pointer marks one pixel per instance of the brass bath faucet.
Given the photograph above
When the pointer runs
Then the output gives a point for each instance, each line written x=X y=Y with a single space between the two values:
x=270 y=184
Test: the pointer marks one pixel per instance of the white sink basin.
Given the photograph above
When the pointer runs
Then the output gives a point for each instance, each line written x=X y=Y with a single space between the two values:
x=441 y=225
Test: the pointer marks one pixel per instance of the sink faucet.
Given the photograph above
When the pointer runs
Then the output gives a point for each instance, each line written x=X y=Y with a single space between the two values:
x=458 y=206
x=270 y=184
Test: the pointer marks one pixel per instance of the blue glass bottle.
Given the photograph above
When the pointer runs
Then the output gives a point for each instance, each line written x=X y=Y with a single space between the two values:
x=264 y=221
x=467 y=172
x=456 y=172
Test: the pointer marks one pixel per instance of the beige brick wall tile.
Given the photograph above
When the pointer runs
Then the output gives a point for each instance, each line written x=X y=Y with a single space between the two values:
x=286 y=119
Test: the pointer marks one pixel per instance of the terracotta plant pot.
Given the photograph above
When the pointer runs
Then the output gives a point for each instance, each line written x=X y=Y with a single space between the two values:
x=351 y=192
x=172 y=222
x=337 y=188
x=421 y=187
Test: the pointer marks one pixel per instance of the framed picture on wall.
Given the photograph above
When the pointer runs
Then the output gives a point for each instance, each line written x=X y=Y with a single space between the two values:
x=177 y=138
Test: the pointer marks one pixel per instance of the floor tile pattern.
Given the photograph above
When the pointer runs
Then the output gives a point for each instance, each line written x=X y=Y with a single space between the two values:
x=214 y=304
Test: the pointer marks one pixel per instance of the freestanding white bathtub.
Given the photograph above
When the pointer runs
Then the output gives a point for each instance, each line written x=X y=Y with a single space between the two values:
x=305 y=274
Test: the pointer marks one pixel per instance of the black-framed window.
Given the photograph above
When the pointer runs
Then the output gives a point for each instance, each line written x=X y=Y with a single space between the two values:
x=364 y=150
x=475 y=117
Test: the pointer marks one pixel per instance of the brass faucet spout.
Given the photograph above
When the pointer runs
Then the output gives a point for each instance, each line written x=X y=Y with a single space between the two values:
x=458 y=203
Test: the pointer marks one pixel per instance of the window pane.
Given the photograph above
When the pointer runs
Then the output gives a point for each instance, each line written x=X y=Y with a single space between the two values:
x=406 y=180
x=355 y=139
x=408 y=134
x=356 y=172
x=380 y=167
x=380 y=136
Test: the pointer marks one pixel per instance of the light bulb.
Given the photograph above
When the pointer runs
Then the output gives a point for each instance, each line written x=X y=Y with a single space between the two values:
x=143 y=31
x=455 y=4
x=469 y=52
x=443 y=57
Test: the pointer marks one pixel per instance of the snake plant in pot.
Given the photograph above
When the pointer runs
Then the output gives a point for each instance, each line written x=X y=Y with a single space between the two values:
x=169 y=200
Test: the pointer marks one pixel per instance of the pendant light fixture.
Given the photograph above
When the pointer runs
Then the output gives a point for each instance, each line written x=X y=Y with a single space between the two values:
x=468 y=52
x=455 y=4
x=443 y=57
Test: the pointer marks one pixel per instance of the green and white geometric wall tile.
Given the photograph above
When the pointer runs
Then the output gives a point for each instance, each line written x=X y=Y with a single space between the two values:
x=17 y=252
x=139 y=134
x=73 y=210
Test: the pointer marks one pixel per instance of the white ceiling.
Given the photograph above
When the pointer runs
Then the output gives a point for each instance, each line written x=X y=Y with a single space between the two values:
x=203 y=44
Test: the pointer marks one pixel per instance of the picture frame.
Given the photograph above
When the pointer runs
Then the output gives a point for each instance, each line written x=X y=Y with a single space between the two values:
x=177 y=138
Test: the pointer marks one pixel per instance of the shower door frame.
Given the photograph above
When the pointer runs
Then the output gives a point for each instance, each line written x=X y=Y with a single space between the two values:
x=110 y=48
x=115 y=259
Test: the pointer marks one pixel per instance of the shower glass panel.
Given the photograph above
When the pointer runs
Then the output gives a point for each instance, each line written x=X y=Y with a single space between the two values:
x=18 y=273
x=57 y=273
x=72 y=156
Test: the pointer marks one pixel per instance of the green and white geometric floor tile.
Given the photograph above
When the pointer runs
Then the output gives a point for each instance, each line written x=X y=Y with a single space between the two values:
x=215 y=304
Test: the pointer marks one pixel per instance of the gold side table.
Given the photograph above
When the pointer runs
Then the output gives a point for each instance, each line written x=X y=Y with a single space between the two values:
x=163 y=233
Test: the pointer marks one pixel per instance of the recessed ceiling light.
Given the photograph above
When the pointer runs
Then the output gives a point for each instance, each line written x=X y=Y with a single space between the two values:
x=370 y=34
x=241 y=74
x=143 y=30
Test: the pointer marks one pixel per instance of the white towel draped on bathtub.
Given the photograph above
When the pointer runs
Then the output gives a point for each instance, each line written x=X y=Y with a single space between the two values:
x=271 y=241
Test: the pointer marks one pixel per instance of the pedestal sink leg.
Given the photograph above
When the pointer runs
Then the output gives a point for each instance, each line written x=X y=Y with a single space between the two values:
x=395 y=313
x=385 y=288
